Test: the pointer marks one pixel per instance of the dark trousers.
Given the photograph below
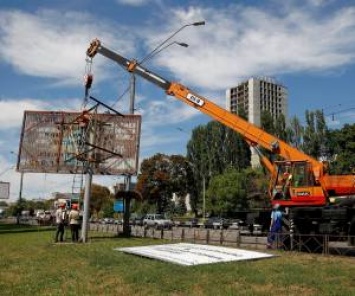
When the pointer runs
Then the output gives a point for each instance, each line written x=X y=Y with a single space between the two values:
x=74 y=228
x=273 y=234
x=60 y=232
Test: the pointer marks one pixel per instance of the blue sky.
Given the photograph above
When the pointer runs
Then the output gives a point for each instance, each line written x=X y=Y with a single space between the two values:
x=309 y=46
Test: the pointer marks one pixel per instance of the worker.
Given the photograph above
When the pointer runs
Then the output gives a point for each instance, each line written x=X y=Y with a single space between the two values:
x=287 y=178
x=60 y=220
x=74 y=223
x=275 y=225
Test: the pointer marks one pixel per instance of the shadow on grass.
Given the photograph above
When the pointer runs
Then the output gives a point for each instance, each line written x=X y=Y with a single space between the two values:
x=21 y=228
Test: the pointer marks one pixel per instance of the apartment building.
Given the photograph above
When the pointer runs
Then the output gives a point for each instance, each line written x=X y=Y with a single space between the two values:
x=254 y=96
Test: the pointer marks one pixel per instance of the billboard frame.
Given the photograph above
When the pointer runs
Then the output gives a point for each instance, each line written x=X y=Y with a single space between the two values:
x=64 y=142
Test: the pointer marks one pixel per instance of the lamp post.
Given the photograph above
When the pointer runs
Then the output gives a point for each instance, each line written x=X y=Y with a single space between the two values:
x=20 y=190
x=21 y=179
x=159 y=47
x=162 y=46
x=155 y=52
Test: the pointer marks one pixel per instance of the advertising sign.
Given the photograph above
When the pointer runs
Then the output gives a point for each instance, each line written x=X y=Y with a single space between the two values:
x=62 y=142
x=118 y=206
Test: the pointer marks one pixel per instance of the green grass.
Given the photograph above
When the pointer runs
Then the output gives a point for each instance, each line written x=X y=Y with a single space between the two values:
x=30 y=264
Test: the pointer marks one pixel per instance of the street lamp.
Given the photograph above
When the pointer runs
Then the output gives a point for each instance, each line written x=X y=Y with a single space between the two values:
x=154 y=53
x=160 y=46
x=20 y=191
x=21 y=180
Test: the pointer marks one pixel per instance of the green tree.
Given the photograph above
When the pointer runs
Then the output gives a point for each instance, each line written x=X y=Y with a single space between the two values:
x=280 y=127
x=100 y=195
x=267 y=122
x=211 y=149
x=295 y=132
x=161 y=176
x=3 y=203
x=225 y=192
x=343 y=149
x=235 y=191
x=315 y=134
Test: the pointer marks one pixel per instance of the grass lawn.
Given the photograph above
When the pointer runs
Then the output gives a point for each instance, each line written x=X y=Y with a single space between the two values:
x=30 y=264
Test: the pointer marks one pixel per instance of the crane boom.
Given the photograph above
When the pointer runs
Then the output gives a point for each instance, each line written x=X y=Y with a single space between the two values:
x=248 y=130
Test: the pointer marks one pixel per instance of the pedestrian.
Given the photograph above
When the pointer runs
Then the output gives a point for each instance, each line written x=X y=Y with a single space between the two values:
x=275 y=225
x=74 y=223
x=60 y=220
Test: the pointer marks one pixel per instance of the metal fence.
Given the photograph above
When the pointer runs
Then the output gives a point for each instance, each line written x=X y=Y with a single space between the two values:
x=322 y=244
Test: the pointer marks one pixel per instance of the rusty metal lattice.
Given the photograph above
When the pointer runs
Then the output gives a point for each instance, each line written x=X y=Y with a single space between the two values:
x=52 y=142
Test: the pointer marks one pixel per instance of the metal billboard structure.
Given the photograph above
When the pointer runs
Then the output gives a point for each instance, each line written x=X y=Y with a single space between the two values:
x=61 y=142
x=4 y=190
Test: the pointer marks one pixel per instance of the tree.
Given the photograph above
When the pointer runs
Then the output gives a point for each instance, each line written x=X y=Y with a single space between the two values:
x=99 y=196
x=161 y=176
x=211 y=149
x=295 y=133
x=235 y=191
x=3 y=204
x=315 y=134
x=343 y=149
x=267 y=122
x=227 y=192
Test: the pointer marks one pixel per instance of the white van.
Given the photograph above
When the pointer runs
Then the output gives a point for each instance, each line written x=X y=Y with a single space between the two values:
x=158 y=221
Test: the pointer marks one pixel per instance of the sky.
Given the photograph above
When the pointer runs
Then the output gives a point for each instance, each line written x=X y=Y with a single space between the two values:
x=306 y=45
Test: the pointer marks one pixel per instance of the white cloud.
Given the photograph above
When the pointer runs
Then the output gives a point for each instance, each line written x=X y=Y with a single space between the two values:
x=52 y=44
x=12 y=110
x=241 y=42
x=134 y=2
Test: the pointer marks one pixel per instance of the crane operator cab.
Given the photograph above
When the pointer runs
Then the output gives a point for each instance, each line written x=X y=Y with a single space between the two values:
x=295 y=183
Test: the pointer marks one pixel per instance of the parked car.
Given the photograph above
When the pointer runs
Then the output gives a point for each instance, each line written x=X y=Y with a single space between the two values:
x=217 y=223
x=136 y=219
x=246 y=229
x=157 y=221
x=193 y=222
x=212 y=222
x=108 y=221
x=118 y=221
x=45 y=218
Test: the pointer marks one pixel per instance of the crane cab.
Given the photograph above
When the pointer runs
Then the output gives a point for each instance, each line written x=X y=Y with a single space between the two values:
x=295 y=185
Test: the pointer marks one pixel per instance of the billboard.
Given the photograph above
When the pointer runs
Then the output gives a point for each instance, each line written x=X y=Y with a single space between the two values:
x=4 y=190
x=64 y=142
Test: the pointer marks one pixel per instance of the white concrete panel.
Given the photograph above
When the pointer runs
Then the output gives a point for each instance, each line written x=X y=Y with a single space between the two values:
x=194 y=254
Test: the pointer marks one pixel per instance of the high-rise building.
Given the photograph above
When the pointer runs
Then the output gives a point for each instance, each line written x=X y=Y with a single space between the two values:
x=254 y=96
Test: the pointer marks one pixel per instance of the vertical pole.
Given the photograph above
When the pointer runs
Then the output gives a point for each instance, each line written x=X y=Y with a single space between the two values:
x=132 y=93
x=204 y=197
x=127 y=200
x=87 y=194
x=127 y=205
x=21 y=186
x=20 y=199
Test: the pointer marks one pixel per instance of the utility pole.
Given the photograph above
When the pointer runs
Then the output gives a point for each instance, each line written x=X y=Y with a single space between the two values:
x=127 y=200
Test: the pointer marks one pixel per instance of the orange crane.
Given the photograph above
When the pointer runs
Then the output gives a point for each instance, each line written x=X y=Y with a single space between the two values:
x=307 y=184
